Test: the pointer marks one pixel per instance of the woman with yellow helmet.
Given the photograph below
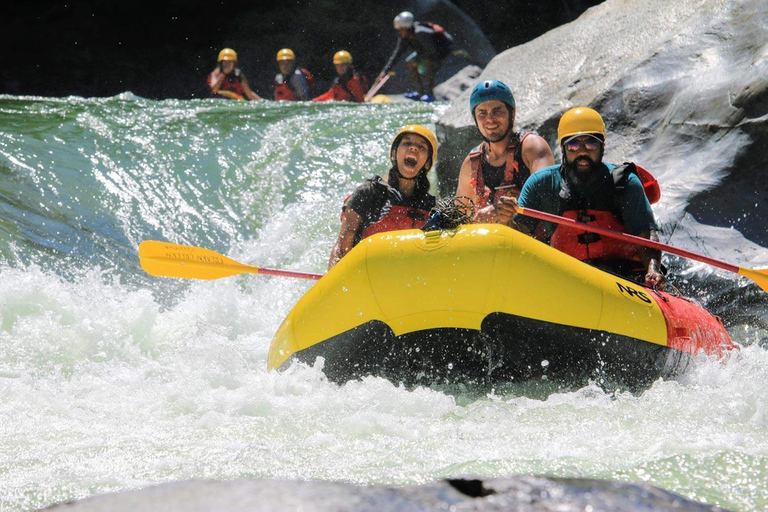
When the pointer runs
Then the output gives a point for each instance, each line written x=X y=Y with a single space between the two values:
x=227 y=81
x=349 y=85
x=401 y=202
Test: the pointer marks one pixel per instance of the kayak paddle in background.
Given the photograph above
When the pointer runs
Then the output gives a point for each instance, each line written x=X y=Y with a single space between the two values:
x=376 y=87
x=759 y=276
x=187 y=262
x=231 y=95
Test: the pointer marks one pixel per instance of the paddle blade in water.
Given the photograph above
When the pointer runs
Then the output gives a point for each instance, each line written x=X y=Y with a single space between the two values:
x=187 y=262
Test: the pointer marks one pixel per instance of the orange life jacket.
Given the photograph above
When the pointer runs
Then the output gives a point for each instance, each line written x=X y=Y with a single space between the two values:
x=585 y=245
x=515 y=171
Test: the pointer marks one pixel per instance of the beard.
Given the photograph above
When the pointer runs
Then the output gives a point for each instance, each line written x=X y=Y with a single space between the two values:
x=580 y=176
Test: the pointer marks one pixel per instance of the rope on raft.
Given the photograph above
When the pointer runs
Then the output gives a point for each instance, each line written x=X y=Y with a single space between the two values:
x=450 y=213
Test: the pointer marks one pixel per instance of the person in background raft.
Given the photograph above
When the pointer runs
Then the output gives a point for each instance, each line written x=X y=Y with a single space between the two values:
x=500 y=165
x=349 y=85
x=291 y=83
x=586 y=189
x=227 y=80
x=402 y=202
x=430 y=45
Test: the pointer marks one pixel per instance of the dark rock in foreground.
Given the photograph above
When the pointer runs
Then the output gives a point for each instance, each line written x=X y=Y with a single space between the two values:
x=520 y=494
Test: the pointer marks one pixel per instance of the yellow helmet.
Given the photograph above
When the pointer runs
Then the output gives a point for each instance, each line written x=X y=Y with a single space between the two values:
x=342 y=57
x=578 y=121
x=227 y=54
x=286 y=54
x=424 y=132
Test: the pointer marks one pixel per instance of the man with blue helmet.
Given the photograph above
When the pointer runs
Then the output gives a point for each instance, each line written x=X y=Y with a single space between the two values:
x=495 y=170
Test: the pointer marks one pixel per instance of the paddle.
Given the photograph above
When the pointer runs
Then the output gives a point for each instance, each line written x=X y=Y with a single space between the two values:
x=184 y=261
x=759 y=276
x=378 y=86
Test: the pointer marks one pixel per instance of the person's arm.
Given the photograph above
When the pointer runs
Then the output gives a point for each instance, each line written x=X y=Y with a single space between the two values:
x=640 y=221
x=464 y=189
x=531 y=196
x=248 y=92
x=215 y=79
x=326 y=96
x=350 y=224
x=651 y=258
x=537 y=153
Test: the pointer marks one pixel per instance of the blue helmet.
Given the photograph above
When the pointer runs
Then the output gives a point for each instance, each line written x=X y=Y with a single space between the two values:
x=490 y=90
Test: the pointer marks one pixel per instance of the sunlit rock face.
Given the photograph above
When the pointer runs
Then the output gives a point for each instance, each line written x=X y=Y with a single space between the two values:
x=683 y=88
x=524 y=494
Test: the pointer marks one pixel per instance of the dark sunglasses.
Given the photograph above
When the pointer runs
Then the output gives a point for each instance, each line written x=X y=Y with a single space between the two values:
x=589 y=144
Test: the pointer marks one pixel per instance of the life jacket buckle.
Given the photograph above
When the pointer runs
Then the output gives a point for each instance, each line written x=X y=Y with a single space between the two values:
x=588 y=238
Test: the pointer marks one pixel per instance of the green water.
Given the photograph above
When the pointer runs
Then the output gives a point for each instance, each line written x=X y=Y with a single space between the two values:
x=111 y=379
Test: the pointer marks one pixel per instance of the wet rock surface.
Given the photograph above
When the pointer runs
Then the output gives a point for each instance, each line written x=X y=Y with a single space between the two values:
x=521 y=494
x=682 y=87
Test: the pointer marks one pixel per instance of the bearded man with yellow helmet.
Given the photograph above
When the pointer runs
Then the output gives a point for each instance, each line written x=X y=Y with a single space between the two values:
x=402 y=201
x=349 y=85
x=586 y=189
x=228 y=81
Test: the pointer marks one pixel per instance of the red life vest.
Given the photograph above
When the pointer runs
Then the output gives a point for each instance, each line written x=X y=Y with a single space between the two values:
x=515 y=171
x=353 y=90
x=585 y=245
x=231 y=83
x=398 y=217
x=650 y=185
x=283 y=90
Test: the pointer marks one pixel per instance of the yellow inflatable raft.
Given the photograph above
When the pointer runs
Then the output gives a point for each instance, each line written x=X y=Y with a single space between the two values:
x=487 y=303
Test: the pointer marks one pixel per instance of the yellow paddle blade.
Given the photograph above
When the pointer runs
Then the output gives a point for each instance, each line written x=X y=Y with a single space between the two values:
x=381 y=98
x=758 y=275
x=231 y=95
x=184 y=261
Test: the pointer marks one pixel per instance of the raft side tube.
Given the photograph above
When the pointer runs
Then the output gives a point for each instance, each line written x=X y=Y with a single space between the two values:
x=414 y=281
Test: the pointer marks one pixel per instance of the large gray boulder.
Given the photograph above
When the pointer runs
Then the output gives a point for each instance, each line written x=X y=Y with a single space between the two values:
x=683 y=87
x=522 y=494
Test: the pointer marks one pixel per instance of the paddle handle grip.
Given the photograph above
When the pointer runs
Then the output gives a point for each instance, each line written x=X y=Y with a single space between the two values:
x=288 y=273
x=627 y=238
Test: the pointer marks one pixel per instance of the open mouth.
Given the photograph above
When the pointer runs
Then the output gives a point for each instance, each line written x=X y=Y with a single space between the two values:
x=410 y=161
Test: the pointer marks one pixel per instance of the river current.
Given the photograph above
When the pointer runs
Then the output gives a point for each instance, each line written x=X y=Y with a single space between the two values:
x=111 y=379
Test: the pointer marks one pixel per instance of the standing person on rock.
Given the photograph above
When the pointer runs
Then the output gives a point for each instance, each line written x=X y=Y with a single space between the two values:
x=349 y=85
x=402 y=201
x=291 y=83
x=500 y=165
x=429 y=44
x=586 y=189
x=227 y=80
